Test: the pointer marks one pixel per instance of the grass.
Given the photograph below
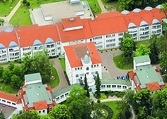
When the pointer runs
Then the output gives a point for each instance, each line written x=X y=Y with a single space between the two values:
x=6 y=7
x=145 y=42
x=54 y=82
x=62 y=62
x=113 y=5
x=95 y=7
x=22 y=15
x=7 y=88
x=103 y=96
x=121 y=64
x=113 y=105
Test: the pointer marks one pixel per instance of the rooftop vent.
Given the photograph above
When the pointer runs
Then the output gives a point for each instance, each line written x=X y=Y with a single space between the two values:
x=72 y=19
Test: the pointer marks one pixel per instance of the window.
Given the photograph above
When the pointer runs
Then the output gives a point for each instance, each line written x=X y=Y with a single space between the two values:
x=77 y=75
x=87 y=68
x=102 y=86
x=39 y=111
x=66 y=94
x=118 y=86
x=113 y=86
x=124 y=87
x=43 y=111
x=57 y=98
x=108 y=86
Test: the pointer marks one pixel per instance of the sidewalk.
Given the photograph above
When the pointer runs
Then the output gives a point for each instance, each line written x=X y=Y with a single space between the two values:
x=7 y=18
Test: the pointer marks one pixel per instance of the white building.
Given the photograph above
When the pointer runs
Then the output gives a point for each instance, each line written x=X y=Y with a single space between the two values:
x=83 y=59
x=105 y=30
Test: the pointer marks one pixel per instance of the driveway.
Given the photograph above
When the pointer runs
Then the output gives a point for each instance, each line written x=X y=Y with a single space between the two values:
x=108 y=63
x=63 y=82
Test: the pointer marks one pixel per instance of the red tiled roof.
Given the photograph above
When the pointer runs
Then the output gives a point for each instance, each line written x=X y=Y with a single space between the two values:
x=153 y=86
x=28 y=34
x=131 y=74
x=109 y=14
x=72 y=35
x=40 y=105
x=107 y=26
x=8 y=96
x=75 y=61
x=7 y=37
x=71 y=22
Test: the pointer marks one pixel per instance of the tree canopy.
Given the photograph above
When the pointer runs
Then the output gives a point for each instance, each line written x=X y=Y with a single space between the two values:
x=142 y=50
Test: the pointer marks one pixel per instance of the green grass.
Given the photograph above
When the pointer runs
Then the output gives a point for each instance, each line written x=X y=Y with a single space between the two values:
x=113 y=105
x=102 y=96
x=21 y=17
x=62 y=62
x=7 y=88
x=121 y=64
x=54 y=82
x=113 y=5
x=95 y=7
x=145 y=42
x=6 y=7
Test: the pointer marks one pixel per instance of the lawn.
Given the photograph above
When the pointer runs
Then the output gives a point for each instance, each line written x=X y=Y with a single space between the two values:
x=54 y=82
x=145 y=42
x=6 y=7
x=113 y=105
x=110 y=6
x=7 y=88
x=121 y=64
x=94 y=5
x=62 y=62
x=22 y=16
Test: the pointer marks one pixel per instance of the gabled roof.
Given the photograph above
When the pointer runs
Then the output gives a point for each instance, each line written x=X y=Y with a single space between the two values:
x=7 y=37
x=28 y=34
x=78 y=34
x=153 y=86
x=75 y=61
x=8 y=96
x=40 y=105
x=107 y=26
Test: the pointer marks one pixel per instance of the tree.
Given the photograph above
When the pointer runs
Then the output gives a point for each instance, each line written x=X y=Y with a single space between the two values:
x=98 y=85
x=1 y=71
x=164 y=8
x=38 y=63
x=17 y=71
x=79 y=104
x=163 y=62
x=154 y=51
x=142 y=50
x=127 y=46
x=28 y=4
x=16 y=81
x=27 y=115
x=125 y=4
x=2 y=116
x=6 y=75
x=60 y=112
x=86 y=87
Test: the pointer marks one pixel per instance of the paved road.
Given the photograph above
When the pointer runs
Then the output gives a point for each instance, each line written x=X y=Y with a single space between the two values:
x=107 y=61
x=63 y=82
x=7 y=18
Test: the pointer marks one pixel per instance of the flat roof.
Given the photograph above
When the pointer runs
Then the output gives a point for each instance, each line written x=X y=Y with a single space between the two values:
x=35 y=93
x=107 y=79
x=64 y=9
x=142 y=59
x=32 y=77
x=147 y=74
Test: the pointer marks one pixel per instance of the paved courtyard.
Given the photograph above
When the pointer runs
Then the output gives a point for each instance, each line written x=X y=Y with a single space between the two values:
x=108 y=63
x=7 y=110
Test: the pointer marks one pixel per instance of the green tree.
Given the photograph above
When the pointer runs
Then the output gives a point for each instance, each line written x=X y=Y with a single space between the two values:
x=142 y=50
x=17 y=71
x=6 y=75
x=86 y=87
x=154 y=51
x=60 y=112
x=163 y=62
x=46 y=116
x=16 y=81
x=127 y=46
x=38 y=63
x=2 y=116
x=79 y=104
x=164 y=8
x=125 y=4
x=27 y=115
x=98 y=85
x=1 y=71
